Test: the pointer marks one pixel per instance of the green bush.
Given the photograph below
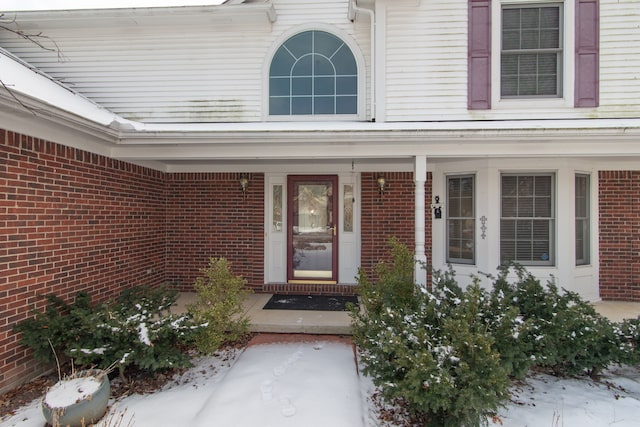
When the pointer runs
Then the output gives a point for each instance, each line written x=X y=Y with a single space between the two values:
x=394 y=286
x=628 y=333
x=563 y=332
x=447 y=354
x=57 y=329
x=431 y=350
x=219 y=306
x=137 y=330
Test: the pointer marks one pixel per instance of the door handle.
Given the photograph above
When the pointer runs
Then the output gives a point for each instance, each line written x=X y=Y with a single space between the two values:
x=332 y=228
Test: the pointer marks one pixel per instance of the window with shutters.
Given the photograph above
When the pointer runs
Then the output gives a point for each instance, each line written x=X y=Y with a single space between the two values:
x=520 y=50
x=531 y=51
x=313 y=73
x=527 y=219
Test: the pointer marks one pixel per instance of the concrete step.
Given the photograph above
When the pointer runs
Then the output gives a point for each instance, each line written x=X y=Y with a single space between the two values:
x=284 y=321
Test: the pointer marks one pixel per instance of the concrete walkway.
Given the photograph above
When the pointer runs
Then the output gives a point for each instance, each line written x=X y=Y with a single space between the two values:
x=339 y=322
x=617 y=311
x=306 y=380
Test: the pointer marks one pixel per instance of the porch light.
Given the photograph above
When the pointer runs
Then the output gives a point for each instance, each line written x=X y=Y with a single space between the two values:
x=244 y=185
x=382 y=184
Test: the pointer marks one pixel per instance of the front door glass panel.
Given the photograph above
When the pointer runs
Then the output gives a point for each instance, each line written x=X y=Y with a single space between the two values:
x=312 y=229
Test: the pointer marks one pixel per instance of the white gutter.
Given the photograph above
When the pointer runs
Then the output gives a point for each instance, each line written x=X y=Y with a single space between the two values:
x=353 y=10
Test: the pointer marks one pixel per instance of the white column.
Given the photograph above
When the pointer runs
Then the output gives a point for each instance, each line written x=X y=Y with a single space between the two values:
x=420 y=174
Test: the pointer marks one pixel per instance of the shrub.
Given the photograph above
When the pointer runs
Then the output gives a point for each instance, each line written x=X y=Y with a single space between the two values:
x=57 y=329
x=394 y=286
x=563 y=332
x=137 y=330
x=431 y=350
x=446 y=354
x=628 y=333
x=219 y=306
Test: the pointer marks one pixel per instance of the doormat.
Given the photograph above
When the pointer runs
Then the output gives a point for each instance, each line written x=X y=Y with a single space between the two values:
x=309 y=302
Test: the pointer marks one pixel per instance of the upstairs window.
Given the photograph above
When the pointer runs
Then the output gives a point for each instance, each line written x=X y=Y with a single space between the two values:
x=531 y=55
x=313 y=73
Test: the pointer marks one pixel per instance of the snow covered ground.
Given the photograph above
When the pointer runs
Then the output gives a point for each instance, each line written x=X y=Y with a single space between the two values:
x=316 y=384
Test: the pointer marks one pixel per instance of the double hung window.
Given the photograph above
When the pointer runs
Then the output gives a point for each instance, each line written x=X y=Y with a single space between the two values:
x=527 y=220
x=531 y=55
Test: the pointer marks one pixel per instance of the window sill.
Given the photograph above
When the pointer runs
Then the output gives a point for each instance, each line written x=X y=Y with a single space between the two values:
x=532 y=104
x=316 y=118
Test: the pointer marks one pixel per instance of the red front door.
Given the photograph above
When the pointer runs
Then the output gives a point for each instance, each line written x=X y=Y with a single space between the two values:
x=312 y=237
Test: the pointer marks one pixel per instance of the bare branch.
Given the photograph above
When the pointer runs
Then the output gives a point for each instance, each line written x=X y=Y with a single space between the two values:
x=13 y=95
x=37 y=39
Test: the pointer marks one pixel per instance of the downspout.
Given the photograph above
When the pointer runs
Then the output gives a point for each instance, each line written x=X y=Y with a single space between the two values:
x=353 y=10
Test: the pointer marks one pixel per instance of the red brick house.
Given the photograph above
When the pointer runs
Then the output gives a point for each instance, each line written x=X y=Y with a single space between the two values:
x=295 y=137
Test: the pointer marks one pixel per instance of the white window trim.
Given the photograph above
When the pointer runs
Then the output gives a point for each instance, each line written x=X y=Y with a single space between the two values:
x=362 y=77
x=568 y=65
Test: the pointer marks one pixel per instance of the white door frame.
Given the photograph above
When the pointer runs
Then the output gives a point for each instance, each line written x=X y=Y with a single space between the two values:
x=275 y=215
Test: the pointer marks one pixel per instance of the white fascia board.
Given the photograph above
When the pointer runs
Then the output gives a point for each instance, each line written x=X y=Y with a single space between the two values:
x=611 y=133
x=340 y=147
x=572 y=126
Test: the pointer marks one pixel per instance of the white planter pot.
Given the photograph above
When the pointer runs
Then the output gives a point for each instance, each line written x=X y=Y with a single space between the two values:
x=78 y=401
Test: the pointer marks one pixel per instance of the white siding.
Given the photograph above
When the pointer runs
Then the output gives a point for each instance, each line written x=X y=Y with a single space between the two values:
x=214 y=69
x=426 y=72
x=427 y=64
x=620 y=58
x=200 y=71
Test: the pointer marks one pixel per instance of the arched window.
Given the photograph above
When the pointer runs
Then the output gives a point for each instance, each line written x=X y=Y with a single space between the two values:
x=313 y=73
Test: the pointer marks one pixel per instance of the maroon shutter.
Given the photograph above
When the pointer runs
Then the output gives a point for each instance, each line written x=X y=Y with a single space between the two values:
x=479 y=55
x=587 y=54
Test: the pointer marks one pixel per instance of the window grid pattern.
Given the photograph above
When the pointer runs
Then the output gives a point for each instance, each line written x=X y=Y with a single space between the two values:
x=461 y=219
x=583 y=234
x=313 y=73
x=527 y=220
x=531 y=60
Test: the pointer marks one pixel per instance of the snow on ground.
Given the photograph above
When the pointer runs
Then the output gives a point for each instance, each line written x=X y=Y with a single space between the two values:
x=547 y=401
x=316 y=384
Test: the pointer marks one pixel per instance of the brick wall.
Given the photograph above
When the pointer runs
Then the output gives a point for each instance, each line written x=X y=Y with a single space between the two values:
x=619 y=216
x=71 y=221
x=390 y=215
x=74 y=221
x=208 y=216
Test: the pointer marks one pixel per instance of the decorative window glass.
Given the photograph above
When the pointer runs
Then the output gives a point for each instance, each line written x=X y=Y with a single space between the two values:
x=461 y=219
x=348 y=208
x=527 y=219
x=313 y=73
x=277 y=208
x=531 y=56
x=583 y=239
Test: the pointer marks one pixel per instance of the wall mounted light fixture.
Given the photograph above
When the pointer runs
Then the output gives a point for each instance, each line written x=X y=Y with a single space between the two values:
x=382 y=184
x=244 y=184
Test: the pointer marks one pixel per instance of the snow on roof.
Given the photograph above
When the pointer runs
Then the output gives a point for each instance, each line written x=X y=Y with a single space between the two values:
x=23 y=79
